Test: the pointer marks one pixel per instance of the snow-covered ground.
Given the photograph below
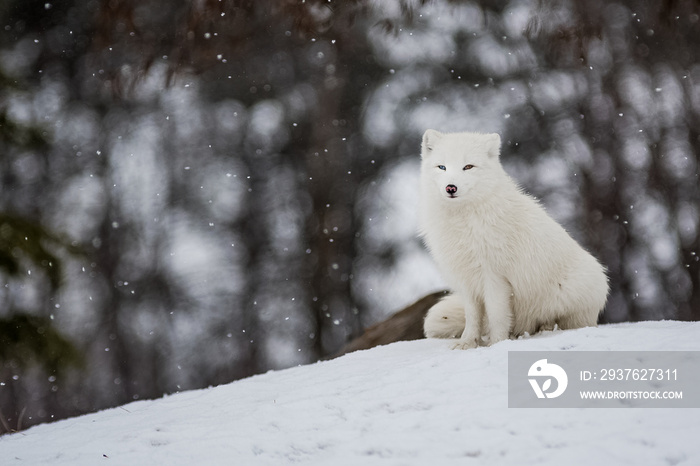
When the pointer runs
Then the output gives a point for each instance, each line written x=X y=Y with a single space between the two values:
x=409 y=403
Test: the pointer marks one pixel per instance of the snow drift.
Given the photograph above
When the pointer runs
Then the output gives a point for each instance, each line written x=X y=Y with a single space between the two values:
x=406 y=403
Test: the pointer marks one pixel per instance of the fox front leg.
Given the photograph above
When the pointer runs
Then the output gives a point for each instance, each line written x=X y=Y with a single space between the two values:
x=472 y=329
x=498 y=308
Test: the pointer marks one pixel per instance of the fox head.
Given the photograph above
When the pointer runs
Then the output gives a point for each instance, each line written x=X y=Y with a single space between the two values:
x=459 y=167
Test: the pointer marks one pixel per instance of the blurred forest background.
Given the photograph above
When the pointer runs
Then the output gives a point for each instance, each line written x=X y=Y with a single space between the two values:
x=194 y=191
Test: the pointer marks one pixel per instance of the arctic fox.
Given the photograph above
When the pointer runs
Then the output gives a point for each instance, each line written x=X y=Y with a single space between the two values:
x=511 y=268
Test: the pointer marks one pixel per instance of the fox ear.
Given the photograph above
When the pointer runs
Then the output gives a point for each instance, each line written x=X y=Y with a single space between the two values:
x=429 y=138
x=494 y=144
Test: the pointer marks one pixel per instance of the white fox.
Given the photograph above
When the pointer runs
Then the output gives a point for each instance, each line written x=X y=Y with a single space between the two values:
x=512 y=268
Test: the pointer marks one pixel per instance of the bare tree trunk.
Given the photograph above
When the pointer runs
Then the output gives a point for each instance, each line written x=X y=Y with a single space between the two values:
x=333 y=185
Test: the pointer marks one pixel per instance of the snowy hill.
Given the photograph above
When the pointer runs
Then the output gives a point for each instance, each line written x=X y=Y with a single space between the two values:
x=411 y=403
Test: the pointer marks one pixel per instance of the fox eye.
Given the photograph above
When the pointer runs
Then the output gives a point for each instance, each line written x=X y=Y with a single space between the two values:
x=442 y=167
x=468 y=167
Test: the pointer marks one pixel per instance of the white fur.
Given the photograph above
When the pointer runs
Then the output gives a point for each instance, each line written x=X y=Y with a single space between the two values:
x=512 y=269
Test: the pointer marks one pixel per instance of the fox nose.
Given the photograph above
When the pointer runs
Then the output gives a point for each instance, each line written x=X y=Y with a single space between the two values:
x=451 y=189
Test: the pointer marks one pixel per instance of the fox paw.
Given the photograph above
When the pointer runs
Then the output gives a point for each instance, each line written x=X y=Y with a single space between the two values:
x=465 y=344
x=550 y=327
